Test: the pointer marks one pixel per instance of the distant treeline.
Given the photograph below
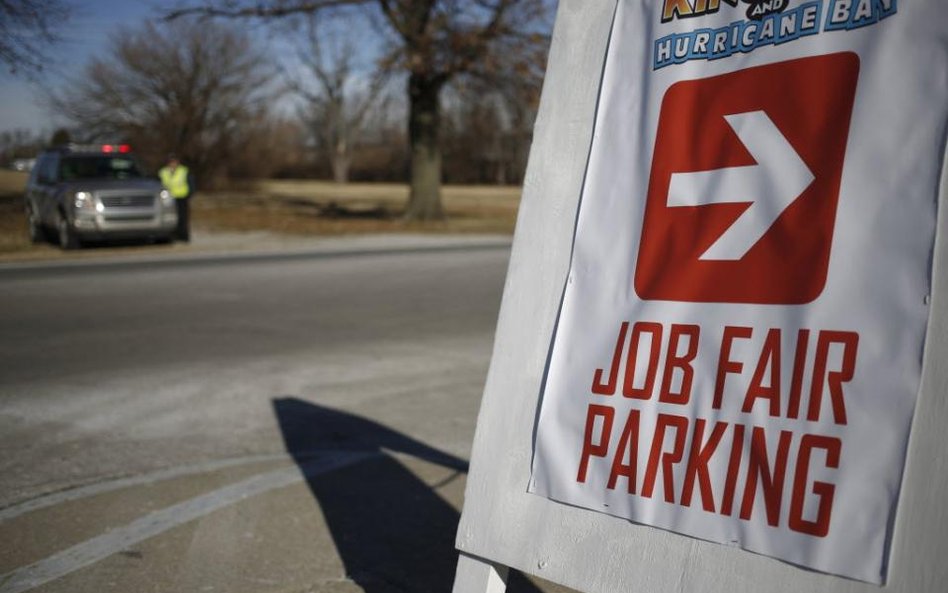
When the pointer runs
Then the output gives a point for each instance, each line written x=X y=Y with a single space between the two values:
x=235 y=107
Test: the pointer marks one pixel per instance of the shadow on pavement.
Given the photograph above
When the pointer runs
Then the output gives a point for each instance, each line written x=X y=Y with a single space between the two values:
x=393 y=532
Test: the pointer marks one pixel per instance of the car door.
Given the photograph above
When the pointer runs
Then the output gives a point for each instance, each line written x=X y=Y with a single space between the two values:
x=44 y=190
x=34 y=190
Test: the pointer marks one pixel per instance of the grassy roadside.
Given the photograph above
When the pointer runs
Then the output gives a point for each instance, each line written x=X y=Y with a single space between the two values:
x=13 y=237
x=326 y=208
x=299 y=208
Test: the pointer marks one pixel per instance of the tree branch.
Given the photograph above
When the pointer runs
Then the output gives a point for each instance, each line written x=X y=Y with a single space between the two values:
x=263 y=11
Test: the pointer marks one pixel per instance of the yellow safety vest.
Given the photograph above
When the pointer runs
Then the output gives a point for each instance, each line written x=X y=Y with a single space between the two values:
x=175 y=181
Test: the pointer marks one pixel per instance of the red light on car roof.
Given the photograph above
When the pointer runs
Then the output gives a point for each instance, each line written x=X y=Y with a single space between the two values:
x=125 y=148
x=107 y=148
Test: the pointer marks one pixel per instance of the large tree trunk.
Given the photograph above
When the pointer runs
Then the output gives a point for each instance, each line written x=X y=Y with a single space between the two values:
x=424 y=202
x=340 y=162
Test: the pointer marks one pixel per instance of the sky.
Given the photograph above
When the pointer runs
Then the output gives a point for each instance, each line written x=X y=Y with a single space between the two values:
x=86 y=34
x=89 y=32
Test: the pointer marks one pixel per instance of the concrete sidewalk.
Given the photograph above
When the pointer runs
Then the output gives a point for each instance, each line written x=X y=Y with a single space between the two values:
x=208 y=246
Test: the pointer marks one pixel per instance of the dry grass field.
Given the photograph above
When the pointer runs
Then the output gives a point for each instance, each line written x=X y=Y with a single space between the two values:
x=302 y=207
x=321 y=207
x=12 y=220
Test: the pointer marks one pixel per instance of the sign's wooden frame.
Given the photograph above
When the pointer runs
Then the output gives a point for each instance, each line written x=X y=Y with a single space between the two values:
x=502 y=525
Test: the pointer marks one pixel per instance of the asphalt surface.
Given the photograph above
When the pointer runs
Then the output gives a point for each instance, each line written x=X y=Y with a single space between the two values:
x=287 y=422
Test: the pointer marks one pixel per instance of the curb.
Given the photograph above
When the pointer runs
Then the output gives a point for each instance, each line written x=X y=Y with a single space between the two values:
x=360 y=247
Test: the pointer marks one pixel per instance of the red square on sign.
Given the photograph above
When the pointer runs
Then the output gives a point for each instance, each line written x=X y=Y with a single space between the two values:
x=745 y=179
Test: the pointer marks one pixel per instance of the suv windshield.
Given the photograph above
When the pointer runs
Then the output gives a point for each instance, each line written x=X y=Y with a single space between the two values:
x=98 y=167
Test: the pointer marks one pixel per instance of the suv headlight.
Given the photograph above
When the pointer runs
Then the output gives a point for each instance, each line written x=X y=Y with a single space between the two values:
x=85 y=203
x=167 y=200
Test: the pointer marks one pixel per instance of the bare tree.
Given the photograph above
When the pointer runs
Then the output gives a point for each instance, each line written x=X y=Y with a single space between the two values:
x=19 y=143
x=27 y=29
x=335 y=108
x=489 y=126
x=434 y=41
x=479 y=141
x=184 y=87
x=266 y=145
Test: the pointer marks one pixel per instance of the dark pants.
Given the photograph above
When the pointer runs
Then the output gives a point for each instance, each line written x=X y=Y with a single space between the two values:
x=183 y=206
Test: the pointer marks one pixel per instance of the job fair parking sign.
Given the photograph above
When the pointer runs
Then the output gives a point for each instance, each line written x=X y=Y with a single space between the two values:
x=739 y=348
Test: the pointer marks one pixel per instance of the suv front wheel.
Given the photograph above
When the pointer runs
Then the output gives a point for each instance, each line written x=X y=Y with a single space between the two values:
x=65 y=233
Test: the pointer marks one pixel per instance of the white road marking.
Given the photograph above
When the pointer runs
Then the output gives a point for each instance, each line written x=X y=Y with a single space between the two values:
x=54 y=498
x=121 y=538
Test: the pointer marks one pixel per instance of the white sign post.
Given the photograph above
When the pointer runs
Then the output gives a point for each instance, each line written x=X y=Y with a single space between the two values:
x=738 y=350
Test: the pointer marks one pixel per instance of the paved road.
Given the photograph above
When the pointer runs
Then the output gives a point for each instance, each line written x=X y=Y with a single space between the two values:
x=286 y=423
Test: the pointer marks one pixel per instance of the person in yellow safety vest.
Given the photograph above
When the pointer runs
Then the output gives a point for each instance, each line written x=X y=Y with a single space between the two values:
x=176 y=179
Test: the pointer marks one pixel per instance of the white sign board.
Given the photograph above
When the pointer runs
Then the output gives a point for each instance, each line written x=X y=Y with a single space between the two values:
x=739 y=347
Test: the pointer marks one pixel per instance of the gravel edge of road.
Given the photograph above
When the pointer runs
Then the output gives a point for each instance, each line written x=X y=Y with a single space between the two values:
x=360 y=245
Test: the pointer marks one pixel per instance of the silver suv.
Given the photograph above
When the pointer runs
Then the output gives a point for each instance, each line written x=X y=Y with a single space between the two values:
x=83 y=193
